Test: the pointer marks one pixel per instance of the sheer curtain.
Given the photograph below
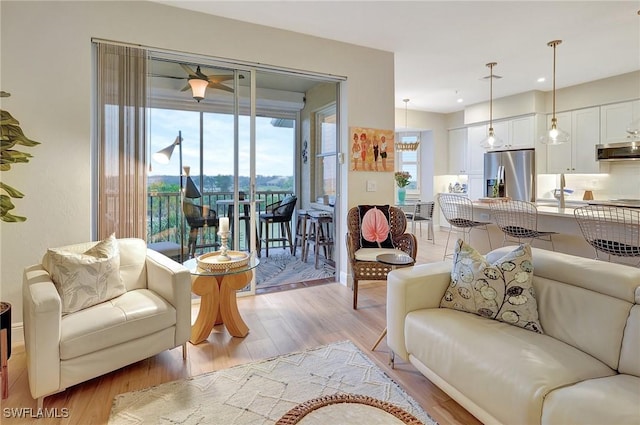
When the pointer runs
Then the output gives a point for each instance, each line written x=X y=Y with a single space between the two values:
x=121 y=156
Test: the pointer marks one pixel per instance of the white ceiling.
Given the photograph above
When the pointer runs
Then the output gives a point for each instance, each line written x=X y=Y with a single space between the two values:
x=441 y=47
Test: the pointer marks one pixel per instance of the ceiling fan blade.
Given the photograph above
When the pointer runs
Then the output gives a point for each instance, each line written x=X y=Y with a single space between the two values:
x=219 y=86
x=185 y=88
x=189 y=71
x=167 y=76
x=219 y=78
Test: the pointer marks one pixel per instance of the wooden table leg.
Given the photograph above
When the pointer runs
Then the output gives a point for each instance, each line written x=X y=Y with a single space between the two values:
x=209 y=314
x=229 y=305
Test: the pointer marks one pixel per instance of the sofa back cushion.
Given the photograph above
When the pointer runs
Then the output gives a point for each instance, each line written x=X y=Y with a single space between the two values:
x=587 y=304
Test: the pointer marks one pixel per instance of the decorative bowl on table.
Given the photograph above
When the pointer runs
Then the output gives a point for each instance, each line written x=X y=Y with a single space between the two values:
x=212 y=261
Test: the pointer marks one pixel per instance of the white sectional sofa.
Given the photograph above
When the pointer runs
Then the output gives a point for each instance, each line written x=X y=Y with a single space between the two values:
x=584 y=369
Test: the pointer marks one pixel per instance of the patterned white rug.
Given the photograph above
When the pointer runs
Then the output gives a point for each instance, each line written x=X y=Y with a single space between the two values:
x=280 y=268
x=262 y=392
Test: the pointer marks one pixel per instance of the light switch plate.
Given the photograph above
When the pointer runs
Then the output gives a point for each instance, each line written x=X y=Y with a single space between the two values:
x=372 y=186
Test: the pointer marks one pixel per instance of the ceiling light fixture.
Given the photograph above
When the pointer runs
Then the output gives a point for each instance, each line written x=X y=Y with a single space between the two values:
x=198 y=86
x=491 y=141
x=407 y=146
x=555 y=135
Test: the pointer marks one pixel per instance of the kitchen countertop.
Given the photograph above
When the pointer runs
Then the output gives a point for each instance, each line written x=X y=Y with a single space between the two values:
x=544 y=209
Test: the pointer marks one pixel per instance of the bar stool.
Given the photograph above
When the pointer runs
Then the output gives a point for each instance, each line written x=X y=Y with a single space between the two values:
x=301 y=233
x=319 y=236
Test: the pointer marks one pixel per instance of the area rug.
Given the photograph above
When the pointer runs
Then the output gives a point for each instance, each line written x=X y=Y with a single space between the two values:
x=262 y=392
x=283 y=268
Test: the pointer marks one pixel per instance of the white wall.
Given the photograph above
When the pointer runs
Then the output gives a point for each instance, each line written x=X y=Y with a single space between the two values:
x=47 y=67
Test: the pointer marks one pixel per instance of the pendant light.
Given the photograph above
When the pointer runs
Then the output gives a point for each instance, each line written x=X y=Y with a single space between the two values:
x=491 y=141
x=407 y=146
x=555 y=136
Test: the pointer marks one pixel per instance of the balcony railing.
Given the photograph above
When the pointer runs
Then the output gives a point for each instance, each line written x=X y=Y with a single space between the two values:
x=164 y=213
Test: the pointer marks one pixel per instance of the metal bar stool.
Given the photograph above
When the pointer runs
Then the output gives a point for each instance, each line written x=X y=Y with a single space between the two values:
x=319 y=236
x=301 y=233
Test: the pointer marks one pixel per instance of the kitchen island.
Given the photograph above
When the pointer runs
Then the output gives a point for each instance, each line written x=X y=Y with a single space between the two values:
x=569 y=238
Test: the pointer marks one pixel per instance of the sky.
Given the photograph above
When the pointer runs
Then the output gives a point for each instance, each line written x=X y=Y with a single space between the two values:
x=274 y=145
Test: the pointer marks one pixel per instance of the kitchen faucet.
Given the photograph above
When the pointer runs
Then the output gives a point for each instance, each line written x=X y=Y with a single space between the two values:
x=561 y=198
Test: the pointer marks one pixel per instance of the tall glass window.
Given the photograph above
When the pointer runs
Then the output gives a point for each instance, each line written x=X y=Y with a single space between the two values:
x=326 y=154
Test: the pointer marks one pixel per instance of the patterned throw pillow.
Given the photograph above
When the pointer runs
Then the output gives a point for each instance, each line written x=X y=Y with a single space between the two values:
x=87 y=279
x=502 y=290
x=375 y=227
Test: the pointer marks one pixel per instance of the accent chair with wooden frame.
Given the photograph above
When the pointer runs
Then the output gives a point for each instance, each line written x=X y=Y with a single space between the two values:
x=363 y=260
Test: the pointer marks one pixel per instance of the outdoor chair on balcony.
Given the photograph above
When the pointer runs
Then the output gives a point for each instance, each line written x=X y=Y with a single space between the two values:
x=199 y=218
x=363 y=253
x=278 y=212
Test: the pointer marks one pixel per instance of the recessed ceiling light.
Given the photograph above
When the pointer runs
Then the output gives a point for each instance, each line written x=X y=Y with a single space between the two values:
x=460 y=100
x=542 y=80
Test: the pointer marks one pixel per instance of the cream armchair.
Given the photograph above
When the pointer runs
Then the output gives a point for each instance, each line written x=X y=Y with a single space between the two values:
x=152 y=315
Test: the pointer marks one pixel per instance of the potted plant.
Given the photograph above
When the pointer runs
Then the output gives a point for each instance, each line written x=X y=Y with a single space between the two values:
x=402 y=181
x=11 y=135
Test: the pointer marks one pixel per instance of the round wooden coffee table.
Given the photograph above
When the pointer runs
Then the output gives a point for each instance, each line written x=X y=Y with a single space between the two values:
x=347 y=409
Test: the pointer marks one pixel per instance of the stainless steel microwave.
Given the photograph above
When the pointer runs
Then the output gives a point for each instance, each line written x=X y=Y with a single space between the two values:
x=623 y=151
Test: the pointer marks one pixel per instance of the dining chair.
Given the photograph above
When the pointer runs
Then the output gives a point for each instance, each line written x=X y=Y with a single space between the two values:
x=458 y=211
x=419 y=212
x=519 y=220
x=614 y=231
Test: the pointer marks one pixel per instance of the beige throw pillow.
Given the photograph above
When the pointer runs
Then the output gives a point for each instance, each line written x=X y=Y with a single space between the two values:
x=502 y=290
x=87 y=279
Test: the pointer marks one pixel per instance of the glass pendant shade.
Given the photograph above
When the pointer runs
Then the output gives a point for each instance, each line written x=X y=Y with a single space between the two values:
x=555 y=135
x=198 y=88
x=491 y=141
x=634 y=129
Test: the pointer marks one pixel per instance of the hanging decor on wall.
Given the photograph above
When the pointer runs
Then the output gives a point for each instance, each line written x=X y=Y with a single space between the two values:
x=12 y=135
x=371 y=149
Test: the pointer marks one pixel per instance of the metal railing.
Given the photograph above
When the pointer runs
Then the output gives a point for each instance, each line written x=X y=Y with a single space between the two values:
x=164 y=213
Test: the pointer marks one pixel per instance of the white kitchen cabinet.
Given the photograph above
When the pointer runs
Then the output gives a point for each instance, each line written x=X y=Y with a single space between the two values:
x=457 y=163
x=577 y=156
x=475 y=151
x=516 y=133
x=615 y=118
x=522 y=134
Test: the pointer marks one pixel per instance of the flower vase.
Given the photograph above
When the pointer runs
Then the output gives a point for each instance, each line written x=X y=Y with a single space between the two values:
x=402 y=194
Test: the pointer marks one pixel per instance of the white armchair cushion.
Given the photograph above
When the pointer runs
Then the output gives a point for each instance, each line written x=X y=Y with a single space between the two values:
x=130 y=316
x=86 y=279
x=371 y=254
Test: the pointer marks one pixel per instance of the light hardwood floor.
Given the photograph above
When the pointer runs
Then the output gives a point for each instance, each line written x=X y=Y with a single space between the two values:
x=279 y=323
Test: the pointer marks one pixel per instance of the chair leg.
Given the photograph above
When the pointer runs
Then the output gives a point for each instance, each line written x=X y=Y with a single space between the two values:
x=40 y=403
x=266 y=239
x=446 y=247
x=287 y=227
x=355 y=294
x=184 y=351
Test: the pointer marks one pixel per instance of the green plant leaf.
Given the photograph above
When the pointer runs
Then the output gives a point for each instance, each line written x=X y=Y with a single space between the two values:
x=7 y=119
x=14 y=133
x=5 y=206
x=14 y=193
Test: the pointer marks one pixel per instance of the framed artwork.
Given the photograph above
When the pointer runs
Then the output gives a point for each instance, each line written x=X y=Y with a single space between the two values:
x=371 y=149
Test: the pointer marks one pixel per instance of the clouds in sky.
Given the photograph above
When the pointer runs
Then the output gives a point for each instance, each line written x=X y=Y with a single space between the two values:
x=274 y=145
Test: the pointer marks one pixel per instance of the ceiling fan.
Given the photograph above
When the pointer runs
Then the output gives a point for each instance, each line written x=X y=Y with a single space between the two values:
x=198 y=81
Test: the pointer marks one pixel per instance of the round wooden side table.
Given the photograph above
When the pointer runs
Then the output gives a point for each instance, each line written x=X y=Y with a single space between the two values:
x=5 y=345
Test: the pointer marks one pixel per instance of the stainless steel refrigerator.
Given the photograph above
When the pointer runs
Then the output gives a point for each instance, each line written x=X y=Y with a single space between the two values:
x=510 y=174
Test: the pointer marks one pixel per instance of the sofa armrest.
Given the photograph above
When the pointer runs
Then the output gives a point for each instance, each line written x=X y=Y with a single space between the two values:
x=41 y=315
x=409 y=289
x=172 y=281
